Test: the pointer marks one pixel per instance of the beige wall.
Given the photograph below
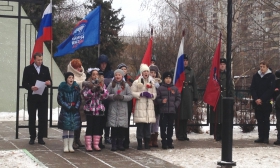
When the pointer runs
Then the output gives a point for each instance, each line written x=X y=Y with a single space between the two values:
x=8 y=58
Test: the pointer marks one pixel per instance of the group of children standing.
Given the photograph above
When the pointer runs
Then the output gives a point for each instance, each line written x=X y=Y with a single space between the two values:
x=155 y=105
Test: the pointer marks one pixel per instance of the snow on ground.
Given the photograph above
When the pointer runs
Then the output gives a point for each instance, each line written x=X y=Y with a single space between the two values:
x=14 y=158
x=258 y=157
x=254 y=157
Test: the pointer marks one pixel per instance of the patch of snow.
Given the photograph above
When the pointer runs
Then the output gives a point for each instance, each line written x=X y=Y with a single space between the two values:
x=14 y=158
x=200 y=157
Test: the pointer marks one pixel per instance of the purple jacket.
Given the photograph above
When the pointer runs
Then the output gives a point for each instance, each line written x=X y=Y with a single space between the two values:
x=171 y=93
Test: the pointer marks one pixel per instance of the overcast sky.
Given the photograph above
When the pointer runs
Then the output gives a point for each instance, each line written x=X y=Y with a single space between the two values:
x=134 y=16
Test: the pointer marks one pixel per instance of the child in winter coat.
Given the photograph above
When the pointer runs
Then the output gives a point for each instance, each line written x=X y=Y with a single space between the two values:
x=143 y=89
x=69 y=118
x=168 y=98
x=119 y=94
x=129 y=81
x=154 y=72
x=93 y=94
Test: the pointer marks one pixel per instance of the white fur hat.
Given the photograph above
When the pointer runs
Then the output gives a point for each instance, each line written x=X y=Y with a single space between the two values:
x=144 y=67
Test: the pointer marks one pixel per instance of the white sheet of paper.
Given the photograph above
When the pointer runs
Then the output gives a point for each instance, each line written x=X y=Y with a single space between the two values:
x=41 y=87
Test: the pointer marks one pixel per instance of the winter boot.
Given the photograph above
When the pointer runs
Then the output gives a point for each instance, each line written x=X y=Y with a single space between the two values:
x=70 y=145
x=77 y=142
x=277 y=142
x=151 y=140
x=139 y=141
x=107 y=140
x=259 y=140
x=65 y=142
x=96 y=139
x=164 y=144
x=101 y=146
x=120 y=144
x=146 y=142
x=88 y=141
x=169 y=144
x=155 y=139
x=114 y=145
x=75 y=145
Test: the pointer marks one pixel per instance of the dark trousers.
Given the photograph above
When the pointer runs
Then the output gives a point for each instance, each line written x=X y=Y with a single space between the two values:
x=182 y=129
x=118 y=132
x=263 y=123
x=166 y=121
x=278 y=124
x=126 y=136
x=216 y=130
x=42 y=107
x=106 y=129
x=143 y=130
x=94 y=125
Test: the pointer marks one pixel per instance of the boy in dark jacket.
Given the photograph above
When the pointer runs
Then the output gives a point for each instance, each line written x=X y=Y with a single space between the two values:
x=262 y=88
x=277 y=105
x=168 y=98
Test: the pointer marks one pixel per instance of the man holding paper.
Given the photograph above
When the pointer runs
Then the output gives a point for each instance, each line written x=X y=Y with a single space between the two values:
x=35 y=79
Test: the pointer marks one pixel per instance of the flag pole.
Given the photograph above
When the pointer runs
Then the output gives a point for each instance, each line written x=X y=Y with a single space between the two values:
x=52 y=60
x=226 y=159
x=98 y=50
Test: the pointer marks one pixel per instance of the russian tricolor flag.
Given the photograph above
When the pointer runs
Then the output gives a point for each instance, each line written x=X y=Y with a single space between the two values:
x=44 y=32
x=179 y=75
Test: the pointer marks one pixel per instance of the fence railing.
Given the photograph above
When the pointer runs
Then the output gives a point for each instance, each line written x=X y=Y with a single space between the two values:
x=244 y=113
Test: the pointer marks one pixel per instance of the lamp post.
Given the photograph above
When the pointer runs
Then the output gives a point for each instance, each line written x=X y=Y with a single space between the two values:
x=227 y=126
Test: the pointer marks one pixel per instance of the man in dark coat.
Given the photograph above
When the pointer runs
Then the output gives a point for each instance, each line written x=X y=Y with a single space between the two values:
x=188 y=95
x=276 y=97
x=32 y=73
x=105 y=67
x=216 y=117
x=262 y=88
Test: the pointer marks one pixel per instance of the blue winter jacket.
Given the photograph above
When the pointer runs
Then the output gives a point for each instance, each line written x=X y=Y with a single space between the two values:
x=67 y=97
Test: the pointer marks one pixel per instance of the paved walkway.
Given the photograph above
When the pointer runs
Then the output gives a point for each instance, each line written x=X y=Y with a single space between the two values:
x=51 y=154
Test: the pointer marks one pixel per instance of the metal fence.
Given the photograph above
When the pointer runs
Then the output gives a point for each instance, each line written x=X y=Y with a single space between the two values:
x=244 y=114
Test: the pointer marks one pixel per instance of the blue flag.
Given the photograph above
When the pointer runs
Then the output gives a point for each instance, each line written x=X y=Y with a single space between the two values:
x=85 y=33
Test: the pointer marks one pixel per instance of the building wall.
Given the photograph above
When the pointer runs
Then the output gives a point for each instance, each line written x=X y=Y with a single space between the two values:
x=9 y=56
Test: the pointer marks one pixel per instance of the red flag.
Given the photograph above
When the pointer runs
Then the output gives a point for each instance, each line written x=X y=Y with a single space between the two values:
x=147 y=59
x=212 y=92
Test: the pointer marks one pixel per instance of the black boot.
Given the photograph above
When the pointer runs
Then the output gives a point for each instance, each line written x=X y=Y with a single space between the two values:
x=114 y=145
x=164 y=144
x=169 y=144
x=120 y=144
x=146 y=142
x=259 y=140
x=101 y=144
x=277 y=142
x=139 y=141
x=107 y=140
x=77 y=142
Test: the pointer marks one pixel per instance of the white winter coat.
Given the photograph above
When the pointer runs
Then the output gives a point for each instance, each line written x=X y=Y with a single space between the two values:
x=144 y=108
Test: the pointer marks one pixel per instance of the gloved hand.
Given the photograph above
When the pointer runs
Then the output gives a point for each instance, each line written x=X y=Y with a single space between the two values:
x=147 y=95
x=73 y=109
x=118 y=97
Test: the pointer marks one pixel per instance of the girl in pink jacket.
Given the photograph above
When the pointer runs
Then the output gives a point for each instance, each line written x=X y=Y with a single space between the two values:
x=94 y=92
